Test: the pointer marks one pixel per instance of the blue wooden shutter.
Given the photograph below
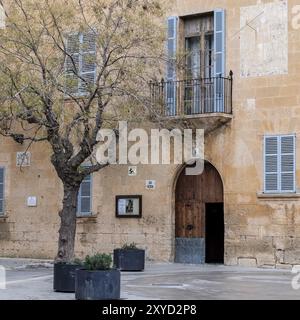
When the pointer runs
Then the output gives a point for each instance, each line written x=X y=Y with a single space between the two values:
x=287 y=163
x=171 y=86
x=85 y=197
x=271 y=164
x=72 y=64
x=87 y=61
x=2 y=178
x=219 y=61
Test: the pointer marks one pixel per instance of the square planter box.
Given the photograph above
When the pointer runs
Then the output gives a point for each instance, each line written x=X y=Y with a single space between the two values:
x=129 y=260
x=64 y=277
x=97 y=285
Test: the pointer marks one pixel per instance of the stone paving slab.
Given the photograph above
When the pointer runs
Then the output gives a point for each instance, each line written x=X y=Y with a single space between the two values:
x=29 y=279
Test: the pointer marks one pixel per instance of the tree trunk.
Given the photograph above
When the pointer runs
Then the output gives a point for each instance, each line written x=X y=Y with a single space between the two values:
x=67 y=229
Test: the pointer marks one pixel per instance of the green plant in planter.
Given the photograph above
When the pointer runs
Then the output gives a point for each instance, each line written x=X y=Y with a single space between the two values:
x=97 y=280
x=129 y=258
x=99 y=261
x=131 y=246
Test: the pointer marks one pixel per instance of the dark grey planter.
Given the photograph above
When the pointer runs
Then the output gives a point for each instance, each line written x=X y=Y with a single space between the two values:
x=64 y=277
x=97 y=285
x=129 y=260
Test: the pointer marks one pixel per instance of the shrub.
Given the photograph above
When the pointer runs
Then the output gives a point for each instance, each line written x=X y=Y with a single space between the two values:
x=99 y=261
x=131 y=246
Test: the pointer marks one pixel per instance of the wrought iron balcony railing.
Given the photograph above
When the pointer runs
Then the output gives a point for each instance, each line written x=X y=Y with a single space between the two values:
x=193 y=96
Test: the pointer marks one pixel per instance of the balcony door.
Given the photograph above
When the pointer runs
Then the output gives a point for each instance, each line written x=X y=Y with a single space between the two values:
x=199 y=73
x=192 y=89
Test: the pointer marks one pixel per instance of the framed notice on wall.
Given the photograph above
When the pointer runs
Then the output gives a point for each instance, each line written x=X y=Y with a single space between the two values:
x=128 y=206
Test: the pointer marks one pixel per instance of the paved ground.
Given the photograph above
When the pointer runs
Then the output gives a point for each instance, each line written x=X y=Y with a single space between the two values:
x=32 y=280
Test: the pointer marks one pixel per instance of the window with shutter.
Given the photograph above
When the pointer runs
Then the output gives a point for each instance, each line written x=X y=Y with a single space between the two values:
x=2 y=177
x=279 y=164
x=85 y=197
x=80 y=65
x=171 y=87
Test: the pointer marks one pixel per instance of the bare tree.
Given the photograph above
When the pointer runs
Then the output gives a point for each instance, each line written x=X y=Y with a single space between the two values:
x=69 y=68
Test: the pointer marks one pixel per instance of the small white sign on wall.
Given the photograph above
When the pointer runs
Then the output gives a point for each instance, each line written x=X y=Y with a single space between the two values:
x=31 y=201
x=150 y=184
x=23 y=159
x=132 y=171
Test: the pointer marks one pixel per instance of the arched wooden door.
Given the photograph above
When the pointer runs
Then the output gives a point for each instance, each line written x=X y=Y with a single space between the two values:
x=199 y=218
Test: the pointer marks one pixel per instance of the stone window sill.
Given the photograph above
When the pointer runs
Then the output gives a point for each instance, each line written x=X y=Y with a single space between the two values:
x=3 y=218
x=82 y=218
x=278 y=196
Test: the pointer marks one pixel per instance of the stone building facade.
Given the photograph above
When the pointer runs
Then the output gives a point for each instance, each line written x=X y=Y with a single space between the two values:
x=251 y=148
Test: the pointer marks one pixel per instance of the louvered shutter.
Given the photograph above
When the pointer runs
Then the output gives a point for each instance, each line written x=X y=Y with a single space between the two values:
x=287 y=163
x=271 y=164
x=171 y=87
x=85 y=197
x=88 y=61
x=1 y=191
x=219 y=61
x=72 y=64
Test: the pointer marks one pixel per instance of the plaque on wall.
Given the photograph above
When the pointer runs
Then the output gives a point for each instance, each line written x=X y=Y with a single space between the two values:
x=23 y=159
x=128 y=206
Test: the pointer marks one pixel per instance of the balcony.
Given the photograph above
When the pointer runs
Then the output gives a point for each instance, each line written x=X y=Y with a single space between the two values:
x=204 y=102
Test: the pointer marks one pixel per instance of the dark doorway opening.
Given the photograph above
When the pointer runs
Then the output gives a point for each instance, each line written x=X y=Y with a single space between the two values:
x=214 y=233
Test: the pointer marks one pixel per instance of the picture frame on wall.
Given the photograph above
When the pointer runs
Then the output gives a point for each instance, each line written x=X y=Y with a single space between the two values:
x=129 y=206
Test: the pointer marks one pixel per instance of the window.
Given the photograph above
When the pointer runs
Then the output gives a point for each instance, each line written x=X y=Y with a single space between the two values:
x=279 y=164
x=204 y=44
x=85 y=197
x=199 y=46
x=2 y=176
x=80 y=65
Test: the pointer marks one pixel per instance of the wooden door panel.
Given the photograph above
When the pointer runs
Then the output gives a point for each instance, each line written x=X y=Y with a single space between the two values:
x=188 y=219
x=192 y=192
